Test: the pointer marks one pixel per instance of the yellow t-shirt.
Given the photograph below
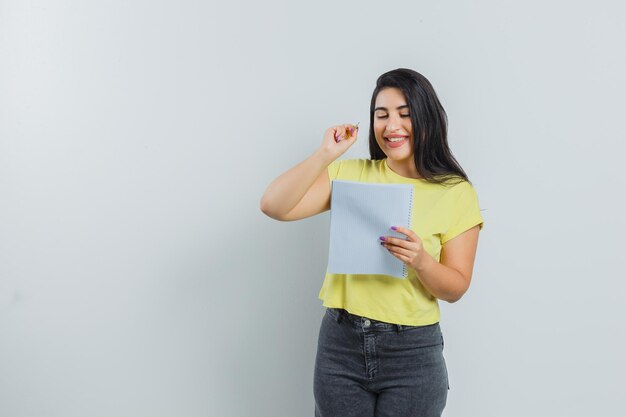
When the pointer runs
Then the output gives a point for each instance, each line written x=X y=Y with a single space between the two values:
x=439 y=213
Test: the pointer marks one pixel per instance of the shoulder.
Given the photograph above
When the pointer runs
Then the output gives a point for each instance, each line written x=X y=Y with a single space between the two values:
x=353 y=165
x=463 y=187
x=354 y=162
x=463 y=193
x=462 y=209
x=455 y=186
x=455 y=192
x=463 y=197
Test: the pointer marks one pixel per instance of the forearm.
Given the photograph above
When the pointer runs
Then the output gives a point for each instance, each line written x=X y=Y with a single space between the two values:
x=284 y=193
x=441 y=281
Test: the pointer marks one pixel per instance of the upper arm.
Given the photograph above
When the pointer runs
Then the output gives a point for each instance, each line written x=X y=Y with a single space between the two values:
x=459 y=252
x=315 y=201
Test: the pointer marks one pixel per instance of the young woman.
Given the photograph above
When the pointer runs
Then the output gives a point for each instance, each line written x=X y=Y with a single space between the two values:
x=380 y=347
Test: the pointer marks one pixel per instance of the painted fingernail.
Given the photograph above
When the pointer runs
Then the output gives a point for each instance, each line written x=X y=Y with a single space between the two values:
x=394 y=228
x=383 y=238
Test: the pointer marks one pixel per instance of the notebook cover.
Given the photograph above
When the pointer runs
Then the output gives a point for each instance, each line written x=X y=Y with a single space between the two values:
x=360 y=213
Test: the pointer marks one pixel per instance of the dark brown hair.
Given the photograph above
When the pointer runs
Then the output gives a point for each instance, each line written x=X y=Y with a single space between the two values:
x=433 y=159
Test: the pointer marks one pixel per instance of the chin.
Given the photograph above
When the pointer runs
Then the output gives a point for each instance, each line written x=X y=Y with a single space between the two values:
x=396 y=157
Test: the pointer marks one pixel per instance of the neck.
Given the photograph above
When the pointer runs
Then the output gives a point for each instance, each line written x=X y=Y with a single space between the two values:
x=405 y=168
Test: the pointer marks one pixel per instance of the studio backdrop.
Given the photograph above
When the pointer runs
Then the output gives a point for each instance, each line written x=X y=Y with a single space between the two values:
x=139 y=277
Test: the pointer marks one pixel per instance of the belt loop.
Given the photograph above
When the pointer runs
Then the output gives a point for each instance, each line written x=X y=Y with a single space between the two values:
x=399 y=328
x=339 y=315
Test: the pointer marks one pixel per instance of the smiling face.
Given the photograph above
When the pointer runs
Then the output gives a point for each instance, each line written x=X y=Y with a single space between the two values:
x=392 y=125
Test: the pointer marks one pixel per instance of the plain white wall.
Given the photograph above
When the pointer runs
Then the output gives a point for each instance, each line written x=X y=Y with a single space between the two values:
x=138 y=276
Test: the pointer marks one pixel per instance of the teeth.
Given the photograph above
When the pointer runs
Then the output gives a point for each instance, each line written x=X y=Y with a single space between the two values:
x=395 y=139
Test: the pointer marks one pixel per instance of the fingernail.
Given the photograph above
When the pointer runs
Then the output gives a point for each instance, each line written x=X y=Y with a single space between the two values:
x=383 y=238
x=394 y=228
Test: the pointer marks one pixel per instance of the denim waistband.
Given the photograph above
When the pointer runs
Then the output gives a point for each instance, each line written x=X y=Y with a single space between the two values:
x=367 y=323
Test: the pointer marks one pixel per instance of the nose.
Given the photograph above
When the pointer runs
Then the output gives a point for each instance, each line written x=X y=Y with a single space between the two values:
x=393 y=124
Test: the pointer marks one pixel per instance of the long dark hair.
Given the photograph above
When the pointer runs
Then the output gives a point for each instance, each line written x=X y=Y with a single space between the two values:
x=433 y=159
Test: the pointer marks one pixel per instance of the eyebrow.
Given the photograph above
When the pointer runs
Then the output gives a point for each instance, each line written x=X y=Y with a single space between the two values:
x=397 y=108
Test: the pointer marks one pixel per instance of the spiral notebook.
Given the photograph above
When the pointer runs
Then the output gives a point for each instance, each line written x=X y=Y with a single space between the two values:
x=360 y=213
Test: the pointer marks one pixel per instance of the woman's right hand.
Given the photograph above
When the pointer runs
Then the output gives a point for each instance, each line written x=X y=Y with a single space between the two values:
x=345 y=137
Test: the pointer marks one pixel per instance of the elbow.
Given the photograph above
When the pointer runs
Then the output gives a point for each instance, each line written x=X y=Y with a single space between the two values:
x=455 y=296
x=263 y=206
x=454 y=299
x=460 y=288
x=266 y=209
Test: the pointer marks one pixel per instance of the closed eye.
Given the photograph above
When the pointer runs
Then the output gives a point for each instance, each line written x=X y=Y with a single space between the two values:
x=402 y=115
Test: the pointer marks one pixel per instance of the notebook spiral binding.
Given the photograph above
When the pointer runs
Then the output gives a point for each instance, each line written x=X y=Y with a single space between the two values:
x=405 y=272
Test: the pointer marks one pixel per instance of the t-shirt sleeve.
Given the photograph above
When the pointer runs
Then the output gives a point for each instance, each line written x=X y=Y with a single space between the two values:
x=464 y=211
x=333 y=170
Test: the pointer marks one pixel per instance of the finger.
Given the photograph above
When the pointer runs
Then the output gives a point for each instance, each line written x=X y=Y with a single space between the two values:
x=338 y=136
x=401 y=251
x=397 y=241
x=354 y=132
x=400 y=256
x=340 y=133
x=406 y=250
x=347 y=134
x=403 y=259
x=408 y=232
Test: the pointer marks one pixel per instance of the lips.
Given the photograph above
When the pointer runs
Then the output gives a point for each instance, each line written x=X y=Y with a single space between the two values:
x=395 y=137
x=397 y=143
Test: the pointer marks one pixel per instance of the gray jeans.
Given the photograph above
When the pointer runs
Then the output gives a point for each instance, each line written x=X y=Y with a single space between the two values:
x=369 y=368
